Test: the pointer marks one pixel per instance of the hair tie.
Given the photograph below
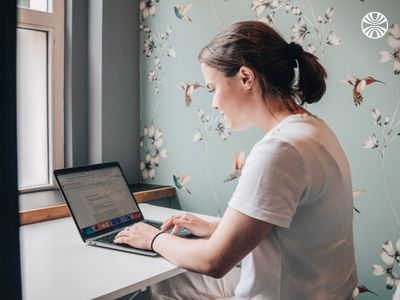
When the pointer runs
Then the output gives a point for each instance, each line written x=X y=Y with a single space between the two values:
x=294 y=51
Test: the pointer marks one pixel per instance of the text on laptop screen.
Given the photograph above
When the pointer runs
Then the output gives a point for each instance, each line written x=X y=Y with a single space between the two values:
x=99 y=199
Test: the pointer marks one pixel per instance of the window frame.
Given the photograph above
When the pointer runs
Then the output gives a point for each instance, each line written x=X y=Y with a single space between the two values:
x=53 y=24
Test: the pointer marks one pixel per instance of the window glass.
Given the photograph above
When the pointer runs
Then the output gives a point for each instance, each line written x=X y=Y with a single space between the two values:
x=32 y=108
x=42 y=5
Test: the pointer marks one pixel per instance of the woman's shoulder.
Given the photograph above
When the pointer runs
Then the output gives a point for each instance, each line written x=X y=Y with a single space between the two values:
x=300 y=128
x=304 y=135
x=274 y=149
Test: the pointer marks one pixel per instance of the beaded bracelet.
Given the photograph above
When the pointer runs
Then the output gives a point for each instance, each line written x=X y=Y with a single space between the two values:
x=154 y=238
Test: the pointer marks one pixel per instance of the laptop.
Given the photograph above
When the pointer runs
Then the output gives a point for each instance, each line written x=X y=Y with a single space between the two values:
x=101 y=204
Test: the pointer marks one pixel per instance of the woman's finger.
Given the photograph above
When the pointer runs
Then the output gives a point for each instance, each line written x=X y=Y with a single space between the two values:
x=181 y=222
x=125 y=231
x=121 y=240
x=168 y=223
x=178 y=224
x=175 y=230
x=121 y=234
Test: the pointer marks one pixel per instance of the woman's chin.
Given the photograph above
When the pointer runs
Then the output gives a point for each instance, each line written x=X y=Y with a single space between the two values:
x=237 y=127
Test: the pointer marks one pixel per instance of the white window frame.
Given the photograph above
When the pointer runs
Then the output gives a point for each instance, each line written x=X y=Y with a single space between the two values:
x=53 y=24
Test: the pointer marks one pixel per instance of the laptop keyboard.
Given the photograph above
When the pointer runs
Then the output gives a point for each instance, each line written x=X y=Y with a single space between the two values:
x=154 y=224
x=109 y=239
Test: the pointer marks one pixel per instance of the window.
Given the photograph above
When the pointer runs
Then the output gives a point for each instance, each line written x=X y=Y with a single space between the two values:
x=40 y=92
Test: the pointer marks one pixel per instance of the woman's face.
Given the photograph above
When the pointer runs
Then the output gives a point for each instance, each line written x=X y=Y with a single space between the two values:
x=229 y=96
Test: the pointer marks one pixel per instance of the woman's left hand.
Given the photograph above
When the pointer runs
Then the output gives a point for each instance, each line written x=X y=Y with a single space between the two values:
x=138 y=235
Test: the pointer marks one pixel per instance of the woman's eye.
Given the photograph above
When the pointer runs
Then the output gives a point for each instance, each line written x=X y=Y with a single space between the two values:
x=211 y=91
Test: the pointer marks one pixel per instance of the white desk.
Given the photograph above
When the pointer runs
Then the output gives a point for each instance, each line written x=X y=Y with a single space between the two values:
x=56 y=264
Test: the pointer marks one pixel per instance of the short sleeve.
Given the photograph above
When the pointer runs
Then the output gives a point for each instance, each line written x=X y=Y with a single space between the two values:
x=272 y=182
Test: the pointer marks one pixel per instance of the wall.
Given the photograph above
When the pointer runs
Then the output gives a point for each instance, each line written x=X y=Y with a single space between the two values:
x=76 y=76
x=102 y=84
x=9 y=256
x=169 y=126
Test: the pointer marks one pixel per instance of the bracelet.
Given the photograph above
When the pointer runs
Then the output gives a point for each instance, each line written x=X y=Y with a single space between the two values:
x=154 y=238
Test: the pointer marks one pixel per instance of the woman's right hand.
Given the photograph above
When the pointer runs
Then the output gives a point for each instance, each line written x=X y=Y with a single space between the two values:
x=195 y=225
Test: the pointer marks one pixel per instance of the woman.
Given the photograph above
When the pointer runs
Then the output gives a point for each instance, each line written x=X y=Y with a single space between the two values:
x=289 y=220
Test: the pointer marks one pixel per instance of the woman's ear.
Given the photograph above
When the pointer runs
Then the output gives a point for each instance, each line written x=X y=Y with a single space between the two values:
x=247 y=77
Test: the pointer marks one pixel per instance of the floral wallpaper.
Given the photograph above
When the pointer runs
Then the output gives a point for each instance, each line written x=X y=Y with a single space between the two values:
x=187 y=144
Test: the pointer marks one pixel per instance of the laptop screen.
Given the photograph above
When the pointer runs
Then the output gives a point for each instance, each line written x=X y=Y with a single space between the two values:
x=99 y=199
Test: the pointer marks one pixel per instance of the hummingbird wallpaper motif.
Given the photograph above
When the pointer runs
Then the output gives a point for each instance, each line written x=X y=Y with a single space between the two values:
x=188 y=145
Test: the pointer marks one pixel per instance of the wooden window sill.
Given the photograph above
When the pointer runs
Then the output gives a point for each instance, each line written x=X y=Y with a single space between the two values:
x=29 y=216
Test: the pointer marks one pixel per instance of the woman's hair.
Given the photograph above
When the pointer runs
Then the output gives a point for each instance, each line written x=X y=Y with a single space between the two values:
x=259 y=47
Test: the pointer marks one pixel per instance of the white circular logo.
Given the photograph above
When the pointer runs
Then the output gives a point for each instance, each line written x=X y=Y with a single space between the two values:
x=374 y=25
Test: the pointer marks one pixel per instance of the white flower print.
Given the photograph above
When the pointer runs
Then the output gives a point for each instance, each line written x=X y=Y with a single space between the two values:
x=328 y=15
x=389 y=256
x=151 y=140
x=311 y=49
x=300 y=31
x=376 y=114
x=393 y=40
x=258 y=6
x=223 y=127
x=147 y=169
x=156 y=44
x=296 y=11
x=333 y=39
x=149 y=46
x=269 y=20
x=152 y=76
x=371 y=142
x=157 y=63
x=203 y=118
x=197 y=137
x=167 y=34
x=148 y=8
x=171 y=52
x=305 y=27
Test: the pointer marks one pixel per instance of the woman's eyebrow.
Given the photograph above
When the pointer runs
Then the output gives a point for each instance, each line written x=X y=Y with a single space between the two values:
x=209 y=86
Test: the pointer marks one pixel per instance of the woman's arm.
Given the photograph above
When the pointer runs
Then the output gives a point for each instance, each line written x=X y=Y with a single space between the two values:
x=236 y=236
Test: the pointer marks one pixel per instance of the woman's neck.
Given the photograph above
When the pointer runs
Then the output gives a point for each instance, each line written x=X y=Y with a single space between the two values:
x=272 y=114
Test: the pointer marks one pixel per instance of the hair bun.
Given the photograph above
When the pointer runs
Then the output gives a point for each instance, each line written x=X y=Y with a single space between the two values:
x=294 y=51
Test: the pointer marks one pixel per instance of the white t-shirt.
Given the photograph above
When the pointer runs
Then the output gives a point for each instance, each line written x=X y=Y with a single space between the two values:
x=297 y=177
